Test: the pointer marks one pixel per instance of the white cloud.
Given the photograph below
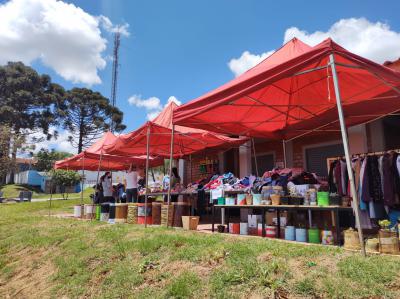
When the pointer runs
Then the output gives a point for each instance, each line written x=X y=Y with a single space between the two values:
x=375 y=41
x=152 y=105
x=173 y=99
x=110 y=27
x=246 y=61
x=61 y=35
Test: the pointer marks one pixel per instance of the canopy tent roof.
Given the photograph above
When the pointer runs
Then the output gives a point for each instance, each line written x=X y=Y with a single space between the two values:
x=186 y=140
x=90 y=158
x=291 y=93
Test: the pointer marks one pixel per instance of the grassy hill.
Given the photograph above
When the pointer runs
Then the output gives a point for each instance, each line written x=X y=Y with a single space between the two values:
x=43 y=257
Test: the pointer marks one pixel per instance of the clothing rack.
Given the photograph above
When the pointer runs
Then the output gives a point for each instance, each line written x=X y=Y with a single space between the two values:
x=365 y=154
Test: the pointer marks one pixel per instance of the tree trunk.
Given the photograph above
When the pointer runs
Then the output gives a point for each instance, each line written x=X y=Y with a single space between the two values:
x=13 y=167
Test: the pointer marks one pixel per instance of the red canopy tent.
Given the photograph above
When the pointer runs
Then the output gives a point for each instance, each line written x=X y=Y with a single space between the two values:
x=295 y=92
x=94 y=158
x=186 y=140
x=160 y=138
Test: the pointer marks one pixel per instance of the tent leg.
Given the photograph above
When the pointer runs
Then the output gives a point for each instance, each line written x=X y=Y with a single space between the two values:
x=170 y=171
x=284 y=153
x=98 y=175
x=83 y=178
x=255 y=157
x=347 y=153
x=147 y=176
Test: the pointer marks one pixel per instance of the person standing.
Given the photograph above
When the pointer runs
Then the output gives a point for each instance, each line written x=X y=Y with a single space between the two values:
x=132 y=184
x=175 y=180
x=106 y=184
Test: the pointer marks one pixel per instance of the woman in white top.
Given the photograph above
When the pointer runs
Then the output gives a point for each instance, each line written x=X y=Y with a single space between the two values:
x=106 y=183
x=132 y=184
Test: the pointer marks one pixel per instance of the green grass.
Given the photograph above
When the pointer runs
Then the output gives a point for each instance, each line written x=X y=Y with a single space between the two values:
x=12 y=191
x=46 y=257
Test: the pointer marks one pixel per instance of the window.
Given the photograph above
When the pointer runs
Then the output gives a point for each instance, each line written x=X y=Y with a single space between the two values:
x=316 y=157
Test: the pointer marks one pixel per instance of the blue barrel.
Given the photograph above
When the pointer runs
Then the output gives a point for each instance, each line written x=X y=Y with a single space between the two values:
x=301 y=235
x=290 y=233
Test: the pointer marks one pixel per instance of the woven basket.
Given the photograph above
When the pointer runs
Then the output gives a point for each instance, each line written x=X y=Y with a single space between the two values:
x=351 y=240
x=388 y=242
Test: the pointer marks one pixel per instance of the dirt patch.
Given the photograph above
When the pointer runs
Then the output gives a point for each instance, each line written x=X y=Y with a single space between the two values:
x=30 y=275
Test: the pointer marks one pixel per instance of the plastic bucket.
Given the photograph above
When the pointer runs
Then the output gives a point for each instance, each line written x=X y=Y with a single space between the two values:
x=244 y=228
x=323 y=198
x=142 y=209
x=230 y=201
x=327 y=237
x=121 y=211
x=257 y=199
x=98 y=212
x=290 y=233
x=111 y=216
x=140 y=220
x=90 y=211
x=221 y=201
x=313 y=236
x=234 y=228
x=249 y=199
x=241 y=199
x=78 y=211
x=301 y=235
x=259 y=229
x=270 y=231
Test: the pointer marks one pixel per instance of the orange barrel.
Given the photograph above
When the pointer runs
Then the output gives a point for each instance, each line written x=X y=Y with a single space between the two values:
x=234 y=228
x=270 y=231
x=121 y=211
x=142 y=213
x=180 y=209
x=156 y=212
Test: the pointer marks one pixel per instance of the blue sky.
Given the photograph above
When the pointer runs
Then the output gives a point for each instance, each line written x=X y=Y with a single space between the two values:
x=182 y=48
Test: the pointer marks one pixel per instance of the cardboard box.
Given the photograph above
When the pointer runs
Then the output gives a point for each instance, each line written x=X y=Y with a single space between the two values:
x=271 y=219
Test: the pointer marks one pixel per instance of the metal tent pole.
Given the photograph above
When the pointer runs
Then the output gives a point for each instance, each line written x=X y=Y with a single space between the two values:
x=347 y=152
x=147 y=176
x=170 y=171
x=98 y=175
x=255 y=157
x=83 y=178
x=284 y=153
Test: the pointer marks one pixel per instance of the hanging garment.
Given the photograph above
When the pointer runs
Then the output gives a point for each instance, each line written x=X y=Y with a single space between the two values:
x=365 y=190
x=344 y=176
x=381 y=173
x=338 y=178
x=374 y=178
x=388 y=180
x=331 y=178
x=396 y=177
x=357 y=167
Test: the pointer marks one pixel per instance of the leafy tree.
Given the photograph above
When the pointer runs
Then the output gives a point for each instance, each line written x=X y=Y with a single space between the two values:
x=28 y=102
x=45 y=159
x=65 y=178
x=87 y=114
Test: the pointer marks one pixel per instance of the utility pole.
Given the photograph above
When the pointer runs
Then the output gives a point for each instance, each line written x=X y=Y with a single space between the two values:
x=117 y=40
